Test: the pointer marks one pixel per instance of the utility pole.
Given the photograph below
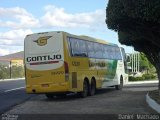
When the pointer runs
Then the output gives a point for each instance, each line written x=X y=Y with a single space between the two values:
x=10 y=68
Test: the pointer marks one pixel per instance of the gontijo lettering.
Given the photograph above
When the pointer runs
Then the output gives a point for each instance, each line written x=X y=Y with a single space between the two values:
x=44 y=58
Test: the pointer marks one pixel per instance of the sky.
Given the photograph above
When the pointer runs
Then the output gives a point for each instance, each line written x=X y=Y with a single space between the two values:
x=21 y=17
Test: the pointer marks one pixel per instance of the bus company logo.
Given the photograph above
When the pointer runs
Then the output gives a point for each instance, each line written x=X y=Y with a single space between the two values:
x=44 y=58
x=42 y=40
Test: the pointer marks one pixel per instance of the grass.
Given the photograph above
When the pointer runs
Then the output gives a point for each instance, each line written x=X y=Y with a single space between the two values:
x=155 y=96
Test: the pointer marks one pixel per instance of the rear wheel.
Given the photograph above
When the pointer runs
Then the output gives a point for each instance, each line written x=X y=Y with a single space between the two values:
x=119 y=87
x=84 y=93
x=92 y=89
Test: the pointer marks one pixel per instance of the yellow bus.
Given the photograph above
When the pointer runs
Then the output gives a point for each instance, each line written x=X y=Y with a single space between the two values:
x=57 y=63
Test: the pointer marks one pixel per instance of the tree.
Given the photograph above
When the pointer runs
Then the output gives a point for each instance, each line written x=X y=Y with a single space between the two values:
x=144 y=63
x=17 y=71
x=4 y=72
x=138 y=24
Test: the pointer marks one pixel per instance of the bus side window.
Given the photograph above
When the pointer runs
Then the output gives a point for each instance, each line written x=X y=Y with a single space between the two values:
x=83 y=49
x=105 y=51
x=109 y=50
x=75 y=47
x=113 y=56
x=90 y=48
x=118 y=52
x=99 y=50
x=78 y=47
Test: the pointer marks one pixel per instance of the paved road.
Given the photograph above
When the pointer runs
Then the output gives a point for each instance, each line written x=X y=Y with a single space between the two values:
x=11 y=84
x=131 y=100
x=12 y=93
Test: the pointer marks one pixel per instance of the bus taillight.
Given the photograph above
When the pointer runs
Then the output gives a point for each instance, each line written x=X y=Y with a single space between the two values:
x=66 y=69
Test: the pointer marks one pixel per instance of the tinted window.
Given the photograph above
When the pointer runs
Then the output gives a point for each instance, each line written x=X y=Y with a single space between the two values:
x=77 y=47
x=98 y=50
x=111 y=52
x=118 y=53
x=90 y=46
x=109 y=49
x=84 y=48
x=105 y=54
x=74 y=46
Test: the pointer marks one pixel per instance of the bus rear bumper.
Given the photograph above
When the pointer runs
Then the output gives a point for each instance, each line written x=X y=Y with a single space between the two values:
x=48 y=88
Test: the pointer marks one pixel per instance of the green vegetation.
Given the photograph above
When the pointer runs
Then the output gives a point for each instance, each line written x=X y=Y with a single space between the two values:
x=4 y=71
x=144 y=77
x=146 y=65
x=14 y=72
x=17 y=71
x=147 y=70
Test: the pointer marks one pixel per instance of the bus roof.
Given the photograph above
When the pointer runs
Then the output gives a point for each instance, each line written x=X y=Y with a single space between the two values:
x=83 y=37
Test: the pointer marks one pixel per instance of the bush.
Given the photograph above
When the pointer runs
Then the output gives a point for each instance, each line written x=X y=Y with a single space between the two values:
x=144 y=77
x=149 y=76
x=131 y=78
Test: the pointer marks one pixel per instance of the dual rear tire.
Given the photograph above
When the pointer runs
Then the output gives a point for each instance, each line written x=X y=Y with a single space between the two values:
x=88 y=89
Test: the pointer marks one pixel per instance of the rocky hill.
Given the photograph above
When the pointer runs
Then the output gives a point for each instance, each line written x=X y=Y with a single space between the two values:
x=18 y=55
